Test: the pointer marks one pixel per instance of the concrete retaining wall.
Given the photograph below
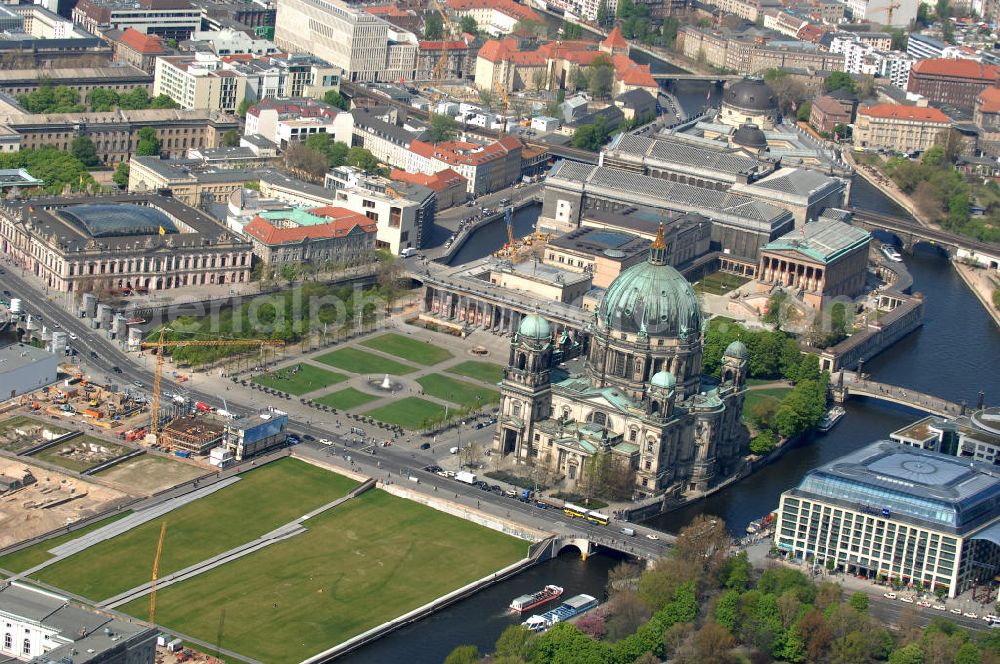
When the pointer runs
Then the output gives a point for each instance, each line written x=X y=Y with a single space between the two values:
x=49 y=443
x=113 y=462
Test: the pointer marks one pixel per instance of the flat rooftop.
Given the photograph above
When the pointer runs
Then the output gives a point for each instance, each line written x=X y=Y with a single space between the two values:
x=643 y=221
x=83 y=633
x=941 y=491
x=720 y=158
x=18 y=356
x=195 y=426
x=542 y=273
x=600 y=241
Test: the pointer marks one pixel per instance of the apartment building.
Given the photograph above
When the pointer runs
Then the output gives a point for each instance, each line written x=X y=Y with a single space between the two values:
x=754 y=52
x=459 y=59
x=170 y=19
x=229 y=42
x=288 y=121
x=116 y=133
x=389 y=142
x=486 y=168
x=897 y=14
x=318 y=236
x=365 y=46
x=897 y=128
x=199 y=82
x=952 y=81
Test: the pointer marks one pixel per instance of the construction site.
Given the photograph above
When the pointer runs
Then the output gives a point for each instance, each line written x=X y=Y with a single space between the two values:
x=52 y=501
x=77 y=398
x=196 y=433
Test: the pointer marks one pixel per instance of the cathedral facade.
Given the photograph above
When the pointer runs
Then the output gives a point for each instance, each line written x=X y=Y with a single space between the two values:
x=639 y=402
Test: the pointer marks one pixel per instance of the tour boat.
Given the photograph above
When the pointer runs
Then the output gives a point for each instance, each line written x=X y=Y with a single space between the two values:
x=890 y=252
x=135 y=321
x=571 y=608
x=831 y=418
x=528 y=602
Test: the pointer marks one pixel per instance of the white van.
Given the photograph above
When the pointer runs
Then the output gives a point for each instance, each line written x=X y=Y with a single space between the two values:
x=407 y=252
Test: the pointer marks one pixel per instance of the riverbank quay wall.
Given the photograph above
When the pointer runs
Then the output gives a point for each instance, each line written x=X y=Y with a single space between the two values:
x=879 y=335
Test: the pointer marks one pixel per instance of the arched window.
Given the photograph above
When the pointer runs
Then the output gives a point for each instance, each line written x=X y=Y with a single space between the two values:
x=599 y=418
x=565 y=413
x=521 y=360
x=633 y=434
x=8 y=641
x=655 y=407
x=27 y=647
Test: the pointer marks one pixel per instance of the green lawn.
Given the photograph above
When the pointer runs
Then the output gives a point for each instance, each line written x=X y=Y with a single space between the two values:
x=457 y=391
x=347 y=399
x=363 y=563
x=264 y=499
x=753 y=397
x=720 y=283
x=400 y=345
x=410 y=413
x=360 y=362
x=37 y=554
x=79 y=462
x=299 y=379
x=488 y=372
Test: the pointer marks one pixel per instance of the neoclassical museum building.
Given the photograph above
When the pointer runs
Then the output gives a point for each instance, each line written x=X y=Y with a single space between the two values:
x=639 y=401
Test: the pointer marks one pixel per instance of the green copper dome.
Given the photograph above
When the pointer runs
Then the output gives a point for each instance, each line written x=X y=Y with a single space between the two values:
x=651 y=297
x=663 y=379
x=738 y=350
x=534 y=326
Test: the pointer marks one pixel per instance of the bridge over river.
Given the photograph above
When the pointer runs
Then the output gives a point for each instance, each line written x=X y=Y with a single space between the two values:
x=850 y=383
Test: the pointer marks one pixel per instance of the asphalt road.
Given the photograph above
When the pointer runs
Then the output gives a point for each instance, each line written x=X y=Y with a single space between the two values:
x=99 y=355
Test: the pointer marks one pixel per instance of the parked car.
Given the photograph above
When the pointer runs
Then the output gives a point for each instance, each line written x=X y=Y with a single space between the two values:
x=425 y=446
x=889 y=595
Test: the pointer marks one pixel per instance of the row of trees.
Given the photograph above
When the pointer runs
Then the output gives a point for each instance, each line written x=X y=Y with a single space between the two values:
x=319 y=153
x=57 y=168
x=941 y=192
x=700 y=605
x=64 y=99
x=434 y=26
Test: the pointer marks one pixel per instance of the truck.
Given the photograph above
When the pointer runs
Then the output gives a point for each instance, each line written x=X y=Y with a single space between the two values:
x=183 y=455
x=202 y=406
x=407 y=252
x=466 y=477
x=524 y=495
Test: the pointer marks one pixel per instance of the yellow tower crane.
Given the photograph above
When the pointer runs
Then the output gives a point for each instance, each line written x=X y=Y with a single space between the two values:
x=160 y=344
x=504 y=104
x=156 y=573
x=441 y=66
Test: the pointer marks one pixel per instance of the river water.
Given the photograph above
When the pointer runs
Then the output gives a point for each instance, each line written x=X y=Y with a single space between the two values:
x=954 y=355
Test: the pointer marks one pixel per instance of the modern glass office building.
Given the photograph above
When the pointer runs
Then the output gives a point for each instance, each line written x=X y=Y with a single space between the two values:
x=900 y=512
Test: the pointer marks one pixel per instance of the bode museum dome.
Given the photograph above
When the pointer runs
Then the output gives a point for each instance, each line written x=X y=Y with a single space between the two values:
x=639 y=402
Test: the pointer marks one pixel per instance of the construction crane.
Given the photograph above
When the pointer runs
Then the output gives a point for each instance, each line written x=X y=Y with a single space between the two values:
x=508 y=217
x=504 y=104
x=890 y=8
x=156 y=573
x=441 y=66
x=160 y=344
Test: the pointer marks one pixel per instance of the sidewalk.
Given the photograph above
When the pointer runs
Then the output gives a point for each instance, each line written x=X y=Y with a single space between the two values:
x=982 y=285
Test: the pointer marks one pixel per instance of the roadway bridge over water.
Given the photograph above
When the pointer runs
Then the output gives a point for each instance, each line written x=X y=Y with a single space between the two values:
x=910 y=233
x=710 y=78
x=848 y=384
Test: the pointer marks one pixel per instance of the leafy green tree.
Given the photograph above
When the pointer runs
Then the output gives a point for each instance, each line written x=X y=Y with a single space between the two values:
x=669 y=30
x=571 y=30
x=54 y=167
x=803 y=112
x=134 y=99
x=244 y=106
x=908 y=654
x=149 y=144
x=737 y=572
x=468 y=24
x=900 y=38
x=363 y=158
x=49 y=99
x=859 y=602
x=600 y=76
x=968 y=653
x=163 y=101
x=443 y=127
x=763 y=443
x=230 y=139
x=84 y=149
x=603 y=13
x=933 y=157
x=102 y=99
x=839 y=80
x=433 y=26
x=120 y=177
x=337 y=100
x=727 y=610
x=515 y=641
x=463 y=655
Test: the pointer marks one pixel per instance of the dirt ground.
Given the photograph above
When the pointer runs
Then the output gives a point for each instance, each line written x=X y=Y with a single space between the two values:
x=22 y=515
x=21 y=432
x=184 y=655
x=149 y=473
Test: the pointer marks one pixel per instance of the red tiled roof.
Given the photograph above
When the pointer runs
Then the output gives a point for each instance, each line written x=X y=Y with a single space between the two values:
x=508 y=7
x=956 y=68
x=439 y=45
x=615 y=39
x=342 y=222
x=311 y=109
x=137 y=41
x=899 y=112
x=989 y=100
x=469 y=154
x=811 y=33
x=438 y=182
x=386 y=10
x=496 y=50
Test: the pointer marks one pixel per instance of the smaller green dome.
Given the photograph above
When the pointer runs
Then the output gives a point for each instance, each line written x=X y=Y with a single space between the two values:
x=664 y=380
x=738 y=350
x=534 y=326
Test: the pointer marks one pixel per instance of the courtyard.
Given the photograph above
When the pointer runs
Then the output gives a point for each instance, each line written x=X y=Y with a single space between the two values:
x=300 y=378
